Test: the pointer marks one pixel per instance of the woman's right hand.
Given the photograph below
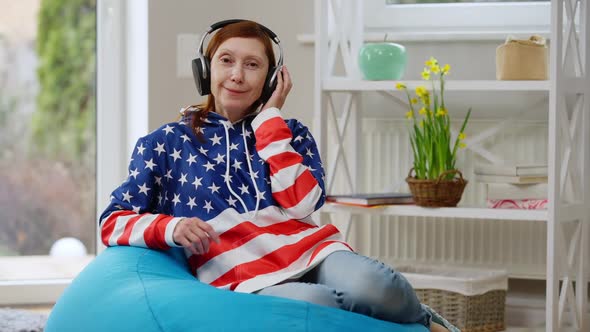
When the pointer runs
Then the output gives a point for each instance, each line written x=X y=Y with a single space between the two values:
x=195 y=235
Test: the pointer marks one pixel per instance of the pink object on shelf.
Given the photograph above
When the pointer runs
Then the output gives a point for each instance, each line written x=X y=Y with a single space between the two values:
x=526 y=204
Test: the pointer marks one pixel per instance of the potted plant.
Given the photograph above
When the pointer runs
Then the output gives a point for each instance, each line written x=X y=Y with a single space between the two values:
x=436 y=181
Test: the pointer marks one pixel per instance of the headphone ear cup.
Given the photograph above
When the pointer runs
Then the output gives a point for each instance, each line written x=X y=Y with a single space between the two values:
x=202 y=78
x=270 y=84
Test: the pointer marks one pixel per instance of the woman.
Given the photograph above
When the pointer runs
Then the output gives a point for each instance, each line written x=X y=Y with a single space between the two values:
x=236 y=187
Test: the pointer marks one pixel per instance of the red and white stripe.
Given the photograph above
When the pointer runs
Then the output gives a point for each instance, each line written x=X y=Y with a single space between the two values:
x=293 y=185
x=146 y=230
x=254 y=254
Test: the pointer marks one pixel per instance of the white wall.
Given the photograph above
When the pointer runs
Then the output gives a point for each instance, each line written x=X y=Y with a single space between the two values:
x=167 y=93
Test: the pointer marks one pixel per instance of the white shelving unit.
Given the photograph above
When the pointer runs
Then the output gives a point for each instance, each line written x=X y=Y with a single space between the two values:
x=568 y=139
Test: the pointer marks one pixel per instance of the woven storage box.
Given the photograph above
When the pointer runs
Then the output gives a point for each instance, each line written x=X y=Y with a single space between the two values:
x=472 y=300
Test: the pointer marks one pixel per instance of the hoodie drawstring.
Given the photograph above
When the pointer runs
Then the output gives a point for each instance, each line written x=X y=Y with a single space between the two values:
x=250 y=171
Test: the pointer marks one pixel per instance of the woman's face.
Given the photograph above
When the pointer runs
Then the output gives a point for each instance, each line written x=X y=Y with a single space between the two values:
x=238 y=71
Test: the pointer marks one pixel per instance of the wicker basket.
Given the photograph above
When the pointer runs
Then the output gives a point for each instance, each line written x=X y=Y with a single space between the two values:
x=472 y=300
x=437 y=193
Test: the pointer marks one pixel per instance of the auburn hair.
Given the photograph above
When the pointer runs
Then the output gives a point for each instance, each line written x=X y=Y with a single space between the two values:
x=242 y=29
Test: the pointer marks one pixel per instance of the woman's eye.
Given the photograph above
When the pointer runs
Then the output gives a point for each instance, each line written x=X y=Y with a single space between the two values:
x=225 y=60
x=252 y=65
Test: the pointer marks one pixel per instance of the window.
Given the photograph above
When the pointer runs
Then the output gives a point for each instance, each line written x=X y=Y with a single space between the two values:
x=448 y=16
x=47 y=145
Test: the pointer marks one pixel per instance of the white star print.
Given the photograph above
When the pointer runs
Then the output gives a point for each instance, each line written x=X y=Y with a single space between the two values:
x=134 y=173
x=135 y=208
x=244 y=189
x=226 y=178
x=127 y=197
x=233 y=146
x=185 y=138
x=260 y=195
x=203 y=151
x=191 y=159
x=308 y=136
x=208 y=206
x=219 y=158
x=209 y=166
x=247 y=133
x=255 y=175
x=216 y=139
x=214 y=188
x=201 y=130
x=231 y=201
x=298 y=138
x=160 y=198
x=311 y=169
x=168 y=129
x=249 y=156
x=227 y=124
x=140 y=149
x=197 y=182
x=183 y=179
x=191 y=202
x=175 y=154
x=144 y=189
x=160 y=148
x=149 y=164
x=309 y=153
x=176 y=199
x=168 y=175
x=237 y=165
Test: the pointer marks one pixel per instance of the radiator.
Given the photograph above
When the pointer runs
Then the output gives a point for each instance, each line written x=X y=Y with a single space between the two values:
x=516 y=246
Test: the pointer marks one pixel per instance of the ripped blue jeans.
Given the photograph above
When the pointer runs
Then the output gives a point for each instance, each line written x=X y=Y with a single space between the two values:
x=356 y=283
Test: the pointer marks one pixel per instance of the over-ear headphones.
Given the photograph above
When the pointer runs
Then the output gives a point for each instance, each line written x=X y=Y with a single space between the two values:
x=202 y=69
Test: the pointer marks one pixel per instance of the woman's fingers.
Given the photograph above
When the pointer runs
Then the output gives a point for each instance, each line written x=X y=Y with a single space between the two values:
x=195 y=235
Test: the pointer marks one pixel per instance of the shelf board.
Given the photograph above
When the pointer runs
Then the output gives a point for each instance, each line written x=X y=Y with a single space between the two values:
x=347 y=84
x=453 y=212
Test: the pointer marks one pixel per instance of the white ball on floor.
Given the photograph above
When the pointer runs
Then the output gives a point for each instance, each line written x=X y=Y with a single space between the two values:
x=68 y=247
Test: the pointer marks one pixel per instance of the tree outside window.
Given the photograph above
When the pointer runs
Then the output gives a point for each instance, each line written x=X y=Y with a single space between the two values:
x=47 y=124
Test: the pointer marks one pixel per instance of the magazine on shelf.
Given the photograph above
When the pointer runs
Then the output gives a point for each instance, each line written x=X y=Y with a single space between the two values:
x=509 y=179
x=372 y=199
x=516 y=191
x=523 y=204
x=511 y=170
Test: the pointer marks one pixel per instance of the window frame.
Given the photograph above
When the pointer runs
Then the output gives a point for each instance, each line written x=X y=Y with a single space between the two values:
x=485 y=18
x=112 y=129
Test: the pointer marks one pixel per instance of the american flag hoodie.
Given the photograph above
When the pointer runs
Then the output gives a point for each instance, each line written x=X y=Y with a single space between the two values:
x=255 y=181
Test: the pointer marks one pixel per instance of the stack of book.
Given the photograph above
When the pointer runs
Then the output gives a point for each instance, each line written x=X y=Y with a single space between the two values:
x=514 y=186
x=367 y=200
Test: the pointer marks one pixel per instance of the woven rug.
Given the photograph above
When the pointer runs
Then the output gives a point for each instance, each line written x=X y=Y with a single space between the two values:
x=16 y=320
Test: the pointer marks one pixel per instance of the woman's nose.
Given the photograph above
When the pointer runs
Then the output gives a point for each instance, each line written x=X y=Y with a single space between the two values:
x=237 y=75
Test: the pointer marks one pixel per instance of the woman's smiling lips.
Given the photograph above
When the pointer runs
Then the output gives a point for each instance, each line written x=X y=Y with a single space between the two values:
x=234 y=92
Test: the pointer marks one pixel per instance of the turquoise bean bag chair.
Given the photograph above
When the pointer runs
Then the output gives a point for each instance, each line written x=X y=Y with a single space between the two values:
x=137 y=289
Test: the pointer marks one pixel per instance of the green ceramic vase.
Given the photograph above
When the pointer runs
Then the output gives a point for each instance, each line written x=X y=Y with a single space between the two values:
x=382 y=61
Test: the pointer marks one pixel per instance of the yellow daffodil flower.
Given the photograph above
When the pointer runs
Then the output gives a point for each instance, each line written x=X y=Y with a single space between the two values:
x=400 y=86
x=462 y=145
x=435 y=69
x=426 y=74
x=431 y=62
x=409 y=114
x=445 y=70
x=421 y=91
x=414 y=101
x=440 y=112
x=462 y=136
